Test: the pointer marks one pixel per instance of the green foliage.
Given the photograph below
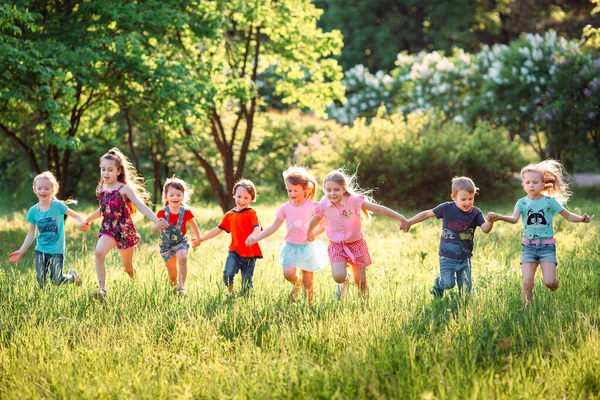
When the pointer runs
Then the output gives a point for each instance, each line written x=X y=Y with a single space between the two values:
x=412 y=161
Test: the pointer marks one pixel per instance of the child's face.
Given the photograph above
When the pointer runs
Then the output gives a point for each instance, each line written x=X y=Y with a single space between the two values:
x=242 y=198
x=174 y=196
x=44 y=189
x=532 y=184
x=109 y=172
x=295 y=193
x=464 y=200
x=334 y=191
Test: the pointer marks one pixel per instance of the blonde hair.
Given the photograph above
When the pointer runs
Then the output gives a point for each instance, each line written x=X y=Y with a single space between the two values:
x=463 y=183
x=55 y=185
x=300 y=176
x=553 y=179
x=351 y=188
x=177 y=184
x=127 y=175
x=246 y=184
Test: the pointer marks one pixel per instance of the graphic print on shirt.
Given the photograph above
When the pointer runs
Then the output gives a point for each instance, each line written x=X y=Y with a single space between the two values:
x=48 y=229
x=347 y=213
x=447 y=234
x=536 y=219
x=298 y=226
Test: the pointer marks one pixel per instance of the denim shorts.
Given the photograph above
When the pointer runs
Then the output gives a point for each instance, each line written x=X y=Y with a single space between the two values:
x=537 y=253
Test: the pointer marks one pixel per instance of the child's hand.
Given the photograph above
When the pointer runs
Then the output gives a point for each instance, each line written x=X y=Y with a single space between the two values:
x=405 y=227
x=585 y=219
x=492 y=217
x=84 y=226
x=402 y=224
x=250 y=241
x=310 y=236
x=196 y=242
x=15 y=256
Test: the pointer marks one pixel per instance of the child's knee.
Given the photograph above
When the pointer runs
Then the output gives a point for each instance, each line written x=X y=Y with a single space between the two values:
x=447 y=283
x=552 y=285
x=339 y=277
x=528 y=283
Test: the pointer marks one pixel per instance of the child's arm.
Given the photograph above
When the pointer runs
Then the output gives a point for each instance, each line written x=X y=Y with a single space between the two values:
x=85 y=225
x=387 y=212
x=569 y=216
x=196 y=240
x=311 y=226
x=487 y=226
x=420 y=217
x=211 y=234
x=78 y=217
x=15 y=256
x=513 y=219
x=320 y=229
x=144 y=209
x=253 y=238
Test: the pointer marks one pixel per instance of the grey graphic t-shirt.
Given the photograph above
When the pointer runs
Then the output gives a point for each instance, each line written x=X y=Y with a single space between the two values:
x=458 y=230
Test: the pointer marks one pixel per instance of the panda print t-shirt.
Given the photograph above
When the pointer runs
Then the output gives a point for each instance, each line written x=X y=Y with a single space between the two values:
x=537 y=216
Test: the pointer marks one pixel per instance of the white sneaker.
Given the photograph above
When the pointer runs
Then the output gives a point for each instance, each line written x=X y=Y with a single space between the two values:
x=342 y=289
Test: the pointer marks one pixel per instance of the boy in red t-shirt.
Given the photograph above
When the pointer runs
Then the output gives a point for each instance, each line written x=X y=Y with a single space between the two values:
x=241 y=222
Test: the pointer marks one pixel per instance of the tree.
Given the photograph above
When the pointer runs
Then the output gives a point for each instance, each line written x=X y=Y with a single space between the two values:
x=232 y=49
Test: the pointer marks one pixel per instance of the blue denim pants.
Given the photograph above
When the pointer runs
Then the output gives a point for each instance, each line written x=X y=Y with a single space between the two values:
x=236 y=263
x=453 y=271
x=52 y=263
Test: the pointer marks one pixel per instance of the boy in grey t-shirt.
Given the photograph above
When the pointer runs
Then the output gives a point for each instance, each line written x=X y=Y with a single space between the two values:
x=460 y=218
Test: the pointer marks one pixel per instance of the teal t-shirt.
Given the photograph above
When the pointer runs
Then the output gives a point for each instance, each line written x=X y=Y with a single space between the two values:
x=537 y=216
x=50 y=226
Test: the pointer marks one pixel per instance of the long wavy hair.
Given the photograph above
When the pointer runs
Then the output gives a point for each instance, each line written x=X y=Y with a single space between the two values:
x=553 y=179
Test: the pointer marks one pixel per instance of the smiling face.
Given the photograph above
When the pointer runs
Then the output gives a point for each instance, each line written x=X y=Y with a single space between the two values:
x=464 y=200
x=175 y=197
x=242 y=198
x=296 y=193
x=533 y=184
x=44 y=189
x=109 y=172
x=334 y=191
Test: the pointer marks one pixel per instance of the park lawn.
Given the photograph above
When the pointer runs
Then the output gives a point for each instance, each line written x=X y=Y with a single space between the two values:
x=146 y=343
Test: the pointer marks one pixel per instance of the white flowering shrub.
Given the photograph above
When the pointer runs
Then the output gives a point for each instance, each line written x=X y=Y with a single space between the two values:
x=365 y=93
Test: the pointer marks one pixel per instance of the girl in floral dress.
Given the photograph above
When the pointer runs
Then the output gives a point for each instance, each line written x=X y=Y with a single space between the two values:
x=120 y=192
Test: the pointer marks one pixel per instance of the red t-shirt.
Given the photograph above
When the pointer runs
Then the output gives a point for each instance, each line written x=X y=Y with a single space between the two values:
x=241 y=224
x=173 y=218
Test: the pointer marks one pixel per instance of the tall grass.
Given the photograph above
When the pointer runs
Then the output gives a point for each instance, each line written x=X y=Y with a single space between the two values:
x=146 y=343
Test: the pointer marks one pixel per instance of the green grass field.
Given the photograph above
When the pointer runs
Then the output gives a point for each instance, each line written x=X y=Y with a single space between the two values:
x=146 y=343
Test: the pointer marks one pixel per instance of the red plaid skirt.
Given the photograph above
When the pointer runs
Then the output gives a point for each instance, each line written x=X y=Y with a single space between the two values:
x=355 y=253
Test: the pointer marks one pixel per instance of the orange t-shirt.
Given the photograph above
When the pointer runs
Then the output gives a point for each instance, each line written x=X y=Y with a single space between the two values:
x=241 y=224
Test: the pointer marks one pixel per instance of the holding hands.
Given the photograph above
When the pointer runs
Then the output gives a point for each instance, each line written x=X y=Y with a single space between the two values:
x=159 y=225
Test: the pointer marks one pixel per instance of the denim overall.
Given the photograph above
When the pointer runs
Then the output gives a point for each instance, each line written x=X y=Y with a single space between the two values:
x=172 y=238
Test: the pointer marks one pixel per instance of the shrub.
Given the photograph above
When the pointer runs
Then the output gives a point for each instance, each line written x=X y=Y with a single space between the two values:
x=411 y=161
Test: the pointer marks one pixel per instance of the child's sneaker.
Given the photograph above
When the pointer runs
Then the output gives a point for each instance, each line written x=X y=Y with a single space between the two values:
x=76 y=278
x=436 y=290
x=295 y=292
x=99 y=295
x=181 y=292
x=342 y=289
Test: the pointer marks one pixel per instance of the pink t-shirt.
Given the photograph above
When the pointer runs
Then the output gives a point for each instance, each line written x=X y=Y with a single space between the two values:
x=297 y=219
x=342 y=221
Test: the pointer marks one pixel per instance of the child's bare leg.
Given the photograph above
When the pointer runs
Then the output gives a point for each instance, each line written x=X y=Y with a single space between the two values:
x=182 y=261
x=104 y=245
x=127 y=260
x=290 y=275
x=549 y=273
x=339 y=271
x=528 y=270
x=360 y=278
x=307 y=282
x=171 y=266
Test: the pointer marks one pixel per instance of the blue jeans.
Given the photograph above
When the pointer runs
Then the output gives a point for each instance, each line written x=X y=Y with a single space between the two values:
x=52 y=263
x=453 y=271
x=235 y=263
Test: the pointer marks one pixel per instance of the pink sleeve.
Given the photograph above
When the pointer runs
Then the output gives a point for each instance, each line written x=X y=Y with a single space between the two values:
x=320 y=209
x=280 y=213
x=357 y=202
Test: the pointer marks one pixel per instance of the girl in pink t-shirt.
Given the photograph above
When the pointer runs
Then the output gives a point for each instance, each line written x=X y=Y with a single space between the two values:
x=341 y=209
x=297 y=252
